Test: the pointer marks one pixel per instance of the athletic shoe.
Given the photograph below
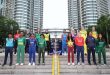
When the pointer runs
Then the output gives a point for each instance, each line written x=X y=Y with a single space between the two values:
x=17 y=64
x=43 y=63
x=73 y=64
x=45 y=53
x=33 y=64
x=29 y=64
x=21 y=64
x=65 y=54
x=68 y=63
x=78 y=63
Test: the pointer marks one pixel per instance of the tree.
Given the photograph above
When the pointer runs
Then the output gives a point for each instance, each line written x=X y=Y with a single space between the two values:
x=103 y=25
x=7 y=26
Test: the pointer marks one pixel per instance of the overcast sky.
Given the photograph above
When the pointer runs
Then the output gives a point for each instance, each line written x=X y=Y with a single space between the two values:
x=55 y=14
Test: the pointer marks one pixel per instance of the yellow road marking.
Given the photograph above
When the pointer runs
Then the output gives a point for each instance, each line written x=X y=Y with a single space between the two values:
x=55 y=65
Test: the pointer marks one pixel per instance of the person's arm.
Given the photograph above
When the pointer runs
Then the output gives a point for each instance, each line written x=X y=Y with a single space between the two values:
x=86 y=41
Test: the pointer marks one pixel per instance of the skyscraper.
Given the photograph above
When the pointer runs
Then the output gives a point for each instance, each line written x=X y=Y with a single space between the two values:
x=72 y=14
x=88 y=11
x=37 y=11
x=22 y=13
x=1 y=7
x=109 y=6
x=9 y=8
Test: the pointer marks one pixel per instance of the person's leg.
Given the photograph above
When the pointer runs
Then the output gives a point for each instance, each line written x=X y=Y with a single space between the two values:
x=6 y=55
x=15 y=47
x=11 y=56
x=66 y=49
x=74 y=48
x=69 y=54
x=39 y=55
x=43 y=55
x=72 y=54
x=99 y=57
x=93 y=55
x=89 y=55
x=78 y=54
x=34 y=54
x=22 y=53
x=48 y=47
x=104 y=56
x=62 y=49
x=82 y=54
x=18 y=54
x=30 y=55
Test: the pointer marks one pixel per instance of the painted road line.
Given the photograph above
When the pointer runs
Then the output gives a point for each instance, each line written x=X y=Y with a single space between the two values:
x=55 y=65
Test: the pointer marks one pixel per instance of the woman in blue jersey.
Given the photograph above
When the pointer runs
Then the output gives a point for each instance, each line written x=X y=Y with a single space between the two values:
x=32 y=49
x=9 y=49
x=64 y=44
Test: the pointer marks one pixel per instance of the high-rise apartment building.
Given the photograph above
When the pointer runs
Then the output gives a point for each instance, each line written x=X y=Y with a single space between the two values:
x=22 y=13
x=88 y=11
x=37 y=14
x=1 y=7
x=72 y=14
x=9 y=8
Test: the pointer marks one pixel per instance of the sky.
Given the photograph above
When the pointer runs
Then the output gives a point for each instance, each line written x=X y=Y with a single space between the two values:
x=55 y=14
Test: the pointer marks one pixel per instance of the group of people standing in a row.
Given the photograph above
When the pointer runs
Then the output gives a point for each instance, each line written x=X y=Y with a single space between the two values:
x=71 y=43
x=37 y=42
x=84 y=44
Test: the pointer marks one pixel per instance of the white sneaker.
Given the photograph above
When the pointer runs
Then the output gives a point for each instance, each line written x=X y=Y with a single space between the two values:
x=68 y=63
x=65 y=54
x=29 y=64
x=21 y=64
x=17 y=64
x=78 y=63
x=82 y=63
x=33 y=64
x=45 y=53
x=73 y=64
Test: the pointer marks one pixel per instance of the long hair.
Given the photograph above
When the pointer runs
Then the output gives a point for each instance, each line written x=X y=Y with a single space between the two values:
x=70 y=37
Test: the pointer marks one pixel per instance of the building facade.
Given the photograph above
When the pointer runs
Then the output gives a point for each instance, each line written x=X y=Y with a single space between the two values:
x=37 y=12
x=1 y=7
x=88 y=11
x=72 y=14
x=22 y=13
x=9 y=8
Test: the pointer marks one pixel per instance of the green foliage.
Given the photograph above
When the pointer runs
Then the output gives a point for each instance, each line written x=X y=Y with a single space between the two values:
x=103 y=23
x=7 y=26
x=103 y=26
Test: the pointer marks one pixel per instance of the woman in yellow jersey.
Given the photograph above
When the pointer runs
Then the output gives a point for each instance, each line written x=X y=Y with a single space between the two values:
x=70 y=45
x=94 y=33
x=47 y=38
x=83 y=33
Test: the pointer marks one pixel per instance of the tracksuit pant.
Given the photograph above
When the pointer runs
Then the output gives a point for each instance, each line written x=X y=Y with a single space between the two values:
x=71 y=52
x=91 y=50
x=103 y=52
x=32 y=52
x=8 y=50
x=64 y=48
x=20 y=53
x=15 y=47
x=48 y=46
x=80 y=49
x=41 y=51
